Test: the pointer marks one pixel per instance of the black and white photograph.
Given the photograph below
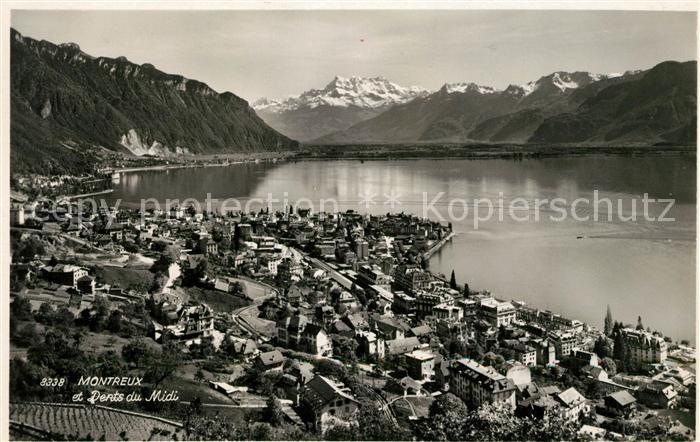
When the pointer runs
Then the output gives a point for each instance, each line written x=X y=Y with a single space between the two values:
x=351 y=221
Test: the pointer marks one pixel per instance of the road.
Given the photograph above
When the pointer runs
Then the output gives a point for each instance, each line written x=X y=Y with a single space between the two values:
x=65 y=236
x=438 y=245
x=384 y=406
x=262 y=404
x=247 y=317
x=334 y=274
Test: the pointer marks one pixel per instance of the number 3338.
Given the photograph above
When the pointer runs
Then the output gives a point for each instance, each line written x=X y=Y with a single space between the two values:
x=52 y=382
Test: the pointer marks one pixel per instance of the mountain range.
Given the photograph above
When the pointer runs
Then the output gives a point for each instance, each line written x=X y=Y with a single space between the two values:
x=340 y=104
x=653 y=106
x=66 y=105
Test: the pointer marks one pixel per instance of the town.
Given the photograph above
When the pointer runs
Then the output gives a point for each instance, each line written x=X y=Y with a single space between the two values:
x=291 y=325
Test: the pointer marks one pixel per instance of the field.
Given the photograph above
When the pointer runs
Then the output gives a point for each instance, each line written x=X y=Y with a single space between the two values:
x=189 y=390
x=101 y=342
x=410 y=408
x=125 y=277
x=687 y=418
x=90 y=422
x=219 y=301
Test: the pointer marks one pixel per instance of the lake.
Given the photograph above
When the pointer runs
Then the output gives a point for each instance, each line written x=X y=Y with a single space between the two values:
x=642 y=267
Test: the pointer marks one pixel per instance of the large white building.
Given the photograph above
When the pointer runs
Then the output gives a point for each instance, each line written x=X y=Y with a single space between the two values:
x=476 y=384
x=644 y=347
x=496 y=312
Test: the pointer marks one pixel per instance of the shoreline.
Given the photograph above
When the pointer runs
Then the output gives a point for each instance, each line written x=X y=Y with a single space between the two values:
x=85 y=195
x=462 y=151
x=435 y=248
x=426 y=153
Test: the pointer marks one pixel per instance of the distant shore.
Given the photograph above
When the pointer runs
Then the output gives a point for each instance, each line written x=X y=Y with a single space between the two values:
x=412 y=151
x=478 y=151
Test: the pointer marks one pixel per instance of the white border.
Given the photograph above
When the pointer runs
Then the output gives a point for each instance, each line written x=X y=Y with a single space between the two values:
x=5 y=15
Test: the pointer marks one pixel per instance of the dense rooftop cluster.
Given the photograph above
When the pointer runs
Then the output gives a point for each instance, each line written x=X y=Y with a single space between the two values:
x=318 y=320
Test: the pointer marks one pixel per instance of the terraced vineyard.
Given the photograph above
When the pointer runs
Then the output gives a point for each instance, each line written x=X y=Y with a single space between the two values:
x=50 y=421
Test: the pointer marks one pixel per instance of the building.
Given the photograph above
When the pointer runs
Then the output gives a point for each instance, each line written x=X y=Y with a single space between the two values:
x=410 y=278
x=546 y=318
x=403 y=303
x=64 y=274
x=245 y=231
x=497 y=313
x=658 y=395
x=271 y=262
x=326 y=404
x=448 y=311
x=288 y=270
x=546 y=352
x=401 y=346
x=425 y=302
x=326 y=250
x=270 y=361
x=362 y=250
x=17 y=215
x=193 y=323
x=86 y=284
x=388 y=327
x=644 y=347
x=372 y=275
x=420 y=364
x=518 y=373
x=476 y=384
x=622 y=401
x=316 y=341
x=564 y=343
x=523 y=353
x=290 y=329
x=572 y=403
x=369 y=344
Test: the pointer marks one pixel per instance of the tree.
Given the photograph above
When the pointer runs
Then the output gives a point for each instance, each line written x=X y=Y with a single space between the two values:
x=602 y=347
x=26 y=335
x=114 y=323
x=110 y=364
x=608 y=325
x=609 y=366
x=494 y=422
x=64 y=317
x=453 y=281
x=46 y=313
x=161 y=366
x=640 y=326
x=136 y=352
x=60 y=358
x=21 y=308
x=32 y=248
x=371 y=425
x=236 y=238
x=273 y=411
x=493 y=360
x=447 y=403
x=620 y=351
x=466 y=289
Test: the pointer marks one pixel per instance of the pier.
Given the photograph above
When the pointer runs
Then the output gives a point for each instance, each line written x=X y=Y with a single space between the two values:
x=438 y=245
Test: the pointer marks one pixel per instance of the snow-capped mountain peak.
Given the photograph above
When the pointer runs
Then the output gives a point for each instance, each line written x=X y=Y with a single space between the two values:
x=363 y=92
x=558 y=81
x=265 y=103
x=454 y=88
x=570 y=80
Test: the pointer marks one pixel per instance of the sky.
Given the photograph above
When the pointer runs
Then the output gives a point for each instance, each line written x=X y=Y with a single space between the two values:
x=279 y=53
